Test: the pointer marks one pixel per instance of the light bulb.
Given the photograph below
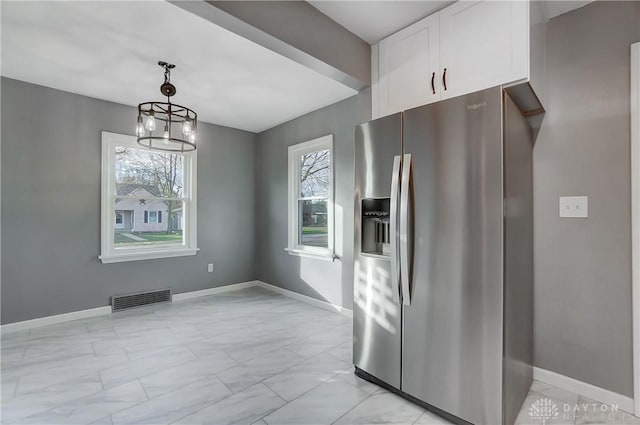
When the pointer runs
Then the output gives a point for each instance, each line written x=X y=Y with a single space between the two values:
x=166 y=134
x=150 y=123
x=186 y=128
x=140 y=128
x=192 y=136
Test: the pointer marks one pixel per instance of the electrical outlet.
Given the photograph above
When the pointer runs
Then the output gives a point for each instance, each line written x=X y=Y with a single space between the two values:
x=574 y=206
x=210 y=268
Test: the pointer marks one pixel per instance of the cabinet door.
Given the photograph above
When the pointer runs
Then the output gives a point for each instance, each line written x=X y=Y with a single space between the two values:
x=483 y=44
x=407 y=61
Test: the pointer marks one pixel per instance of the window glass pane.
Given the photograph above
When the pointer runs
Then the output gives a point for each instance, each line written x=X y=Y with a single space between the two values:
x=153 y=216
x=314 y=173
x=140 y=172
x=148 y=222
x=313 y=222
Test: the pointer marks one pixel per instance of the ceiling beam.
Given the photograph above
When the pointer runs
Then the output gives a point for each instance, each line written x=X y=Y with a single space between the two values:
x=296 y=30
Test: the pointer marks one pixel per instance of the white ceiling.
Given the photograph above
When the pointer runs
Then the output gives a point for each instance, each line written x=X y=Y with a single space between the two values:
x=109 y=50
x=373 y=20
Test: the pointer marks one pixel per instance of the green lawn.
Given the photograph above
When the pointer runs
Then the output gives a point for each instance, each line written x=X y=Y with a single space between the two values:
x=313 y=230
x=150 y=238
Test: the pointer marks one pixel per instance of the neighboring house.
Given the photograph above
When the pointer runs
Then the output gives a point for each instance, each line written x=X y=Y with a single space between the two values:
x=176 y=219
x=141 y=214
x=316 y=215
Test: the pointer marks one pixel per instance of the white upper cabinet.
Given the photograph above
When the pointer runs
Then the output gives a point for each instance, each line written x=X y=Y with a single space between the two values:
x=410 y=55
x=466 y=47
x=483 y=44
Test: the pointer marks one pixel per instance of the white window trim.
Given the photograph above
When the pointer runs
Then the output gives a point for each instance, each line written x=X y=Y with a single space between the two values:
x=108 y=253
x=295 y=151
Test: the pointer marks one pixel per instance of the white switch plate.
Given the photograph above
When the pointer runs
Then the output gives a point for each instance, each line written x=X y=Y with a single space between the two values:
x=574 y=206
x=210 y=268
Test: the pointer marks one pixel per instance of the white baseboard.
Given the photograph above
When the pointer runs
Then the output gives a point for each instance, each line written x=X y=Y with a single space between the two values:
x=106 y=310
x=52 y=320
x=306 y=299
x=582 y=388
x=212 y=291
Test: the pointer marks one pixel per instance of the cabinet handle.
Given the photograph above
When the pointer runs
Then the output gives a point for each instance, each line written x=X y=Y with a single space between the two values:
x=433 y=85
x=444 y=79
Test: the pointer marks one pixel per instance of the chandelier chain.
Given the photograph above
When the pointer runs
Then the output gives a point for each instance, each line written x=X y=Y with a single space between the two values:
x=167 y=74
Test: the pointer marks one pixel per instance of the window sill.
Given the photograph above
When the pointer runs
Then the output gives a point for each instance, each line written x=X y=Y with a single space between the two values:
x=301 y=253
x=147 y=255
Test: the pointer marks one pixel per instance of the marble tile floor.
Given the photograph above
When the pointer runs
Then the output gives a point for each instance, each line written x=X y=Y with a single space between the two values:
x=242 y=357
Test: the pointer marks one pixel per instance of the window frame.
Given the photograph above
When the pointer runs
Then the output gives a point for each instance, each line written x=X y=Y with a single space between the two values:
x=109 y=253
x=293 y=189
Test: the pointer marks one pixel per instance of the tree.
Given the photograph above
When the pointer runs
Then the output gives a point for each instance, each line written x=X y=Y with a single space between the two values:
x=157 y=169
x=314 y=173
x=314 y=183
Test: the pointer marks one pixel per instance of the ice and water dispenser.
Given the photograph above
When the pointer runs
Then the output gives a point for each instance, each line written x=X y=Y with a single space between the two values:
x=376 y=231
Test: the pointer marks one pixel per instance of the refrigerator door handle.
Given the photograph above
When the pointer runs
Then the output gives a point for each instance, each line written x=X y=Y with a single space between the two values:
x=393 y=224
x=405 y=230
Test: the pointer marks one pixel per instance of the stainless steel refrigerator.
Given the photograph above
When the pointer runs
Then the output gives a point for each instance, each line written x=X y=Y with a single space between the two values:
x=443 y=256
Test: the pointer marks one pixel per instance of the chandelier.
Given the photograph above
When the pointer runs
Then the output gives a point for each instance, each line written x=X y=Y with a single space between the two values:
x=165 y=126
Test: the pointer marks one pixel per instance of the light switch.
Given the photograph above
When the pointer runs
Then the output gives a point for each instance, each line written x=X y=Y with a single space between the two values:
x=210 y=268
x=574 y=206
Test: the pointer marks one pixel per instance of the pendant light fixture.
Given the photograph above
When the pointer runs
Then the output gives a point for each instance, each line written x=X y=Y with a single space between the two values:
x=165 y=126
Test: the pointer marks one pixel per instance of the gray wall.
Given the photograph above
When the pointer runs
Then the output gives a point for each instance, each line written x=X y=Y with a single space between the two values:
x=51 y=207
x=583 y=266
x=328 y=281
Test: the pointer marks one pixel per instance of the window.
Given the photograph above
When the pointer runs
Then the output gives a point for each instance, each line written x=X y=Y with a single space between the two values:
x=153 y=217
x=152 y=196
x=311 y=198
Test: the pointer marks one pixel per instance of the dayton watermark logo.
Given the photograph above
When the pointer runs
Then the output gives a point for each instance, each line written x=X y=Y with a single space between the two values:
x=544 y=409
x=594 y=412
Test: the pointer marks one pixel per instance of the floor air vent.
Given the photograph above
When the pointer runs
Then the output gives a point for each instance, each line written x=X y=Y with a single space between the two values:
x=124 y=302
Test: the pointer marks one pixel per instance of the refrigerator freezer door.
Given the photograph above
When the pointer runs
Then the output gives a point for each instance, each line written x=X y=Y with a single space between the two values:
x=452 y=341
x=376 y=310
